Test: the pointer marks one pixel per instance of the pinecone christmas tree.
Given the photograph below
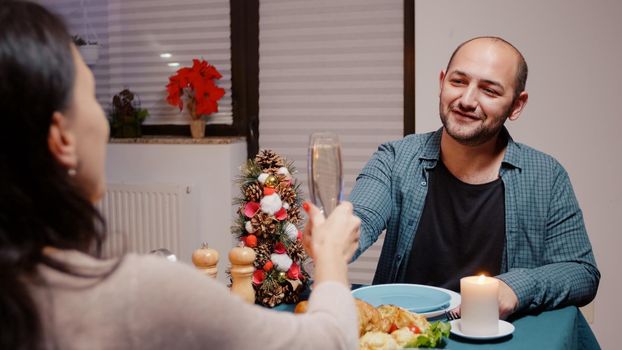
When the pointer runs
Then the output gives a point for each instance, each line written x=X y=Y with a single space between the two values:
x=269 y=220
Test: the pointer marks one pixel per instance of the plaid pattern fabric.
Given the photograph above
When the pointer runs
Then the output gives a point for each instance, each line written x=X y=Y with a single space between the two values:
x=548 y=259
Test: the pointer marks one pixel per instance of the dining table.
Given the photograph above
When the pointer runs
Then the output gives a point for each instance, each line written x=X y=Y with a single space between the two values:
x=560 y=329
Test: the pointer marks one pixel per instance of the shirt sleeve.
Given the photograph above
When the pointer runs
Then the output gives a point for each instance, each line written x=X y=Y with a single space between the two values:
x=371 y=196
x=176 y=307
x=569 y=275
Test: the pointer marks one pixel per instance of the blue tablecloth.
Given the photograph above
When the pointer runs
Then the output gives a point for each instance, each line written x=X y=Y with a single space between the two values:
x=563 y=329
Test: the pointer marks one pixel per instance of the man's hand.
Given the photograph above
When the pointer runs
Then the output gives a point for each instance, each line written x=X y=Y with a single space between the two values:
x=508 y=301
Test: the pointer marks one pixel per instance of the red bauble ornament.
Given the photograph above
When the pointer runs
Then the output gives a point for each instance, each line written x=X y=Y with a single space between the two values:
x=251 y=241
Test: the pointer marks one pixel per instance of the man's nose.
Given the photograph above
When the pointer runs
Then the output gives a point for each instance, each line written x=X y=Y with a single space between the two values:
x=468 y=100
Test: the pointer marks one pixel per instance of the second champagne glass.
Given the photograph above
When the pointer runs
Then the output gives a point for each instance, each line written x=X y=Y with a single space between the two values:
x=325 y=171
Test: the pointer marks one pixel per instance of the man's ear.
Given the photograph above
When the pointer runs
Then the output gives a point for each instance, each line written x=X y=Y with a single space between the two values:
x=519 y=105
x=61 y=142
x=441 y=79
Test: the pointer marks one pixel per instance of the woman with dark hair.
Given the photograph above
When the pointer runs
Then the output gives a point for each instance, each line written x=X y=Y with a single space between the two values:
x=56 y=291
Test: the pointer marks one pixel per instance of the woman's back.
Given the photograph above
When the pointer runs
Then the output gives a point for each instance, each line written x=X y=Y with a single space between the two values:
x=150 y=303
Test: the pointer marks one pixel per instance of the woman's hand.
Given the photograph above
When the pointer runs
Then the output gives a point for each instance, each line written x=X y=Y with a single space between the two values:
x=331 y=241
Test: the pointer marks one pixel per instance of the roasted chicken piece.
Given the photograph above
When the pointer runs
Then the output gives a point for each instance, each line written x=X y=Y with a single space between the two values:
x=369 y=317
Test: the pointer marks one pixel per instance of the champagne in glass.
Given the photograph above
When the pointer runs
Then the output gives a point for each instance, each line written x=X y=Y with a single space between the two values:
x=325 y=171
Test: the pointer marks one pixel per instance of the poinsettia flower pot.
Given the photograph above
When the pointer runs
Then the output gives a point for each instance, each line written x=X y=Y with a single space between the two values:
x=197 y=128
x=90 y=53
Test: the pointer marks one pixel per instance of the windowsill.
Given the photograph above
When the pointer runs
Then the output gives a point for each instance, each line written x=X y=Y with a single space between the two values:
x=177 y=140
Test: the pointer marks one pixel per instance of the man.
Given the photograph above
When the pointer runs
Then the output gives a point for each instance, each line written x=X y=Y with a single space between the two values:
x=467 y=199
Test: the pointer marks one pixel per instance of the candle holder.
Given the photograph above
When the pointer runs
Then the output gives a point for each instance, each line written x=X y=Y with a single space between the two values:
x=480 y=307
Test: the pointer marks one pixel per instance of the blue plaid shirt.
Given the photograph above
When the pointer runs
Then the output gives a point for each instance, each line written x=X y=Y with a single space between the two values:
x=547 y=260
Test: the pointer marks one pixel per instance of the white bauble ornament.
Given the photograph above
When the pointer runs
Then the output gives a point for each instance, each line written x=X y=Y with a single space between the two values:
x=271 y=204
x=249 y=227
x=291 y=230
x=281 y=262
x=262 y=177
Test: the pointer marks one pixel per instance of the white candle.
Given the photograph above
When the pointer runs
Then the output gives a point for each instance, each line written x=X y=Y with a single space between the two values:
x=480 y=307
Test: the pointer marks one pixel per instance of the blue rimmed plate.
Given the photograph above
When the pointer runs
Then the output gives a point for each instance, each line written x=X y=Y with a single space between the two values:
x=413 y=297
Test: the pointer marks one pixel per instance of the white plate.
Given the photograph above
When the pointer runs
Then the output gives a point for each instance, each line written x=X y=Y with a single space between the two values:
x=454 y=298
x=454 y=302
x=505 y=328
x=412 y=297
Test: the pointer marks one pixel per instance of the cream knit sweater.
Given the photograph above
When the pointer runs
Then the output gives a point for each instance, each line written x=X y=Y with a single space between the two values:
x=150 y=303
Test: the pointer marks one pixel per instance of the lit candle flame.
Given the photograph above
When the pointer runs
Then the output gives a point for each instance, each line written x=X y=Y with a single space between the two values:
x=481 y=279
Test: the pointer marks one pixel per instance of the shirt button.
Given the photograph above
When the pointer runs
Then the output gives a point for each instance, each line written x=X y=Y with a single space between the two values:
x=423 y=183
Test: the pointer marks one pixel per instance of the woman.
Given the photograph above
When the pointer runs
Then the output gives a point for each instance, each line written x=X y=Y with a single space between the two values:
x=55 y=292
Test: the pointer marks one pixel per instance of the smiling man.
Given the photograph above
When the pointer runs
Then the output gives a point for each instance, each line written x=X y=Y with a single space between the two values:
x=467 y=199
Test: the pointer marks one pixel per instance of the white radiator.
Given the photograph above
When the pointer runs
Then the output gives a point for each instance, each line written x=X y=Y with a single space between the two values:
x=141 y=218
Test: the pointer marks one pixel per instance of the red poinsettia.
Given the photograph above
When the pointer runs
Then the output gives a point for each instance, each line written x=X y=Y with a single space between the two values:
x=196 y=87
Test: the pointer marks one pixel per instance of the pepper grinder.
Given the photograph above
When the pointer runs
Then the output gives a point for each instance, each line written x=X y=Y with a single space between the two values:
x=242 y=269
x=206 y=260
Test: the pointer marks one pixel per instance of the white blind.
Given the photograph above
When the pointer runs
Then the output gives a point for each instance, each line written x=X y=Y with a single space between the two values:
x=133 y=34
x=331 y=65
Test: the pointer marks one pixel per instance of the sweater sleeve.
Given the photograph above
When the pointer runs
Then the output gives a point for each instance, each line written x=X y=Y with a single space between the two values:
x=176 y=307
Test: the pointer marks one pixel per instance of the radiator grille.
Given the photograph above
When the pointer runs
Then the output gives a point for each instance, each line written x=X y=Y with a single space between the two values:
x=141 y=218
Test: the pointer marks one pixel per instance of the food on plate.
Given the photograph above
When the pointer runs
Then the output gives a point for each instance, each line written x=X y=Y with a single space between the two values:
x=390 y=327
x=396 y=328
x=377 y=340
x=369 y=317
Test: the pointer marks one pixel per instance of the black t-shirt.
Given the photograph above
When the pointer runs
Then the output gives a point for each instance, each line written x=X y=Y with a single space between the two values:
x=461 y=231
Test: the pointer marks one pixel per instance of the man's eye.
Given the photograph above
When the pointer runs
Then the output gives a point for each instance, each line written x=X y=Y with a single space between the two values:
x=491 y=92
x=457 y=81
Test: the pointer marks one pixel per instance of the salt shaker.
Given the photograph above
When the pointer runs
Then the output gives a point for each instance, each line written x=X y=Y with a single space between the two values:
x=242 y=269
x=206 y=260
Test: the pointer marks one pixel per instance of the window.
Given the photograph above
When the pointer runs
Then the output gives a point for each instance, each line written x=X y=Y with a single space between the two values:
x=143 y=42
x=333 y=66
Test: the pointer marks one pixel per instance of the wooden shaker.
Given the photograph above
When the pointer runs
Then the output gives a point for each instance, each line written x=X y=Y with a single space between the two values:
x=206 y=260
x=242 y=259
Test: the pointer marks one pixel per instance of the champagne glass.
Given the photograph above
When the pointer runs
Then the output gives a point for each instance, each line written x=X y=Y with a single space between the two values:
x=325 y=171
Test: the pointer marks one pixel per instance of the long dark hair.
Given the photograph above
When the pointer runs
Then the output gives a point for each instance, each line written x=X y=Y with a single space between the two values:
x=39 y=204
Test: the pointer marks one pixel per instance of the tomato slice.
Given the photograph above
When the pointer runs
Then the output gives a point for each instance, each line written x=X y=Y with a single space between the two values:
x=393 y=328
x=414 y=329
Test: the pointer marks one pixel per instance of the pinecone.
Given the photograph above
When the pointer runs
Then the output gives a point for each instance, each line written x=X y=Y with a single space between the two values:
x=287 y=194
x=297 y=252
x=267 y=159
x=253 y=192
x=293 y=215
x=291 y=296
x=262 y=253
x=271 y=297
x=273 y=171
x=264 y=224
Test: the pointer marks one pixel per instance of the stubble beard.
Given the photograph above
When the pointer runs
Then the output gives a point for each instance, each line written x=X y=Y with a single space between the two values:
x=476 y=136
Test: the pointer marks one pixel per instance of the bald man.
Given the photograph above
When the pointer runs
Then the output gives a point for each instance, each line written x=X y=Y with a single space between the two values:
x=467 y=199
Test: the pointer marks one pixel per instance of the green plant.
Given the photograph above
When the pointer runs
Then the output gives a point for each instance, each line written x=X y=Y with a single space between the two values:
x=79 y=41
x=126 y=116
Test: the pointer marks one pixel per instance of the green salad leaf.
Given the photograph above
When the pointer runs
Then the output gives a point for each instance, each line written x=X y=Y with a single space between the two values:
x=432 y=337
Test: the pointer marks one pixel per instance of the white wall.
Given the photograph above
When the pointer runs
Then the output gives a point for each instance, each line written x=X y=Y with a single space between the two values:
x=209 y=170
x=574 y=52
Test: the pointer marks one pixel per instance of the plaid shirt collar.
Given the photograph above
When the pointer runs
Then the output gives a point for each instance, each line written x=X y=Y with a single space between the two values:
x=432 y=150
